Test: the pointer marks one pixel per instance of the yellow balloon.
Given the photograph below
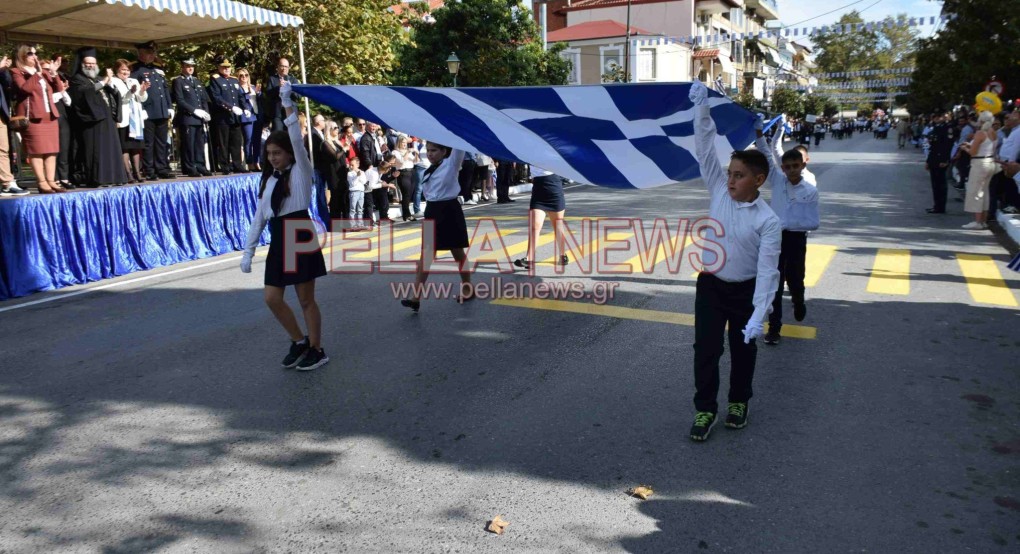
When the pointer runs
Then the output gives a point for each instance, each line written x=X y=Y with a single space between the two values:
x=989 y=101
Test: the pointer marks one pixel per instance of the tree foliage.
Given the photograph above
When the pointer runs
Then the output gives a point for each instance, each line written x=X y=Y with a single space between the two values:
x=498 y=44
x=978 y=43
x=349 y=42
x=891 y=46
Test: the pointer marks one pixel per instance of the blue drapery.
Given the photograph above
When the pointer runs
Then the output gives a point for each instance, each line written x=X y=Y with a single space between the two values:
x=53 y=241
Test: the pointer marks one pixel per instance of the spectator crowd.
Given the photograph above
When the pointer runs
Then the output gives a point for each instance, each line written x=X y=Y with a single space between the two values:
x=79 y=125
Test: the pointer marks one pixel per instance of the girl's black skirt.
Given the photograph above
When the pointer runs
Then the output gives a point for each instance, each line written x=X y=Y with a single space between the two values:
x=547 y=194
x=450 y=227
x=308 y=266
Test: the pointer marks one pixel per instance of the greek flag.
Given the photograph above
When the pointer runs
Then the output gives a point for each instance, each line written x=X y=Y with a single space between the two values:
x=615 y=135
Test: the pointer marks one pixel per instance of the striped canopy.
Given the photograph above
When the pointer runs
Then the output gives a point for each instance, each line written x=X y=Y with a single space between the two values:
x=123 y=23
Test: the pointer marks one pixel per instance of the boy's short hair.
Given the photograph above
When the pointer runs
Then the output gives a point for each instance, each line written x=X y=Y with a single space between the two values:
x=753 y=159
x=793 y=156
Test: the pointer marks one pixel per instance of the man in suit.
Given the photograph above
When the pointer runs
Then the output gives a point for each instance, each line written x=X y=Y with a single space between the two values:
x=190 y=119
x=272 y=109
x=937 y=164
x=225 y=94
x=156 y=156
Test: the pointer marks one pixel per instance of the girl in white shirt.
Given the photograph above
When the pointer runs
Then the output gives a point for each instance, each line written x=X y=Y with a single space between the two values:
x=445 y=227
x=356 y=183
x=284 y=197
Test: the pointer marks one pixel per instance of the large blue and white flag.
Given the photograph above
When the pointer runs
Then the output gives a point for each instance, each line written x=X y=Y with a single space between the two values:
x=615 y=135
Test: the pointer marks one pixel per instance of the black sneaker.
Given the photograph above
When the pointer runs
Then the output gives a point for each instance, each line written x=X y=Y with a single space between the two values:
x=799 y=311
x=772 y=337
x=522 y=263
x=313 y=359
x=296 y=354
x=415 y=305
x=564 y=260
x=736 y=418
x=703 y=423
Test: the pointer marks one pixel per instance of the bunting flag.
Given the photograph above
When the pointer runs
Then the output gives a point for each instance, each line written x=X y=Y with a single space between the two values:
x=633 y=135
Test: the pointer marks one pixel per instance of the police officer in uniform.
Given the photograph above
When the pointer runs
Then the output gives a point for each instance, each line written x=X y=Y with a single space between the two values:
x=272 y=109
x=940 y=148
x=225 y=94
x=156 y=156
x=190 y=119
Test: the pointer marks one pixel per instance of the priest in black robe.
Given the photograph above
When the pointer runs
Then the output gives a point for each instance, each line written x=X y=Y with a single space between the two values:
x=94 y=103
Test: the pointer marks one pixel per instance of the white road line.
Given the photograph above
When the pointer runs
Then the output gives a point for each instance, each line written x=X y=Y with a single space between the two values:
x=158 y=275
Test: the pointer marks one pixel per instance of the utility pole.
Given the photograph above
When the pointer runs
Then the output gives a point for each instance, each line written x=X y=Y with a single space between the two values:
x=626 y=57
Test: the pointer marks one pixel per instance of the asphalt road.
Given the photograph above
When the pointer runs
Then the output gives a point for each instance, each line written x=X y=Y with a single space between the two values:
x=149 y=413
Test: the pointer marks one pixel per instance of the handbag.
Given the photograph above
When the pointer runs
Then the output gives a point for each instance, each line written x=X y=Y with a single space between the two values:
x=19 y=123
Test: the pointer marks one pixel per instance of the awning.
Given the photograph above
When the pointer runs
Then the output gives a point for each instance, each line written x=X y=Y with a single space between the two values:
x=706 y=53
x=727 y=65
x=772 y=57
x=123 y=23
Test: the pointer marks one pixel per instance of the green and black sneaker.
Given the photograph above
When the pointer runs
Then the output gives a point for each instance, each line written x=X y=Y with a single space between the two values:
x=703 y=423
x=737 y=416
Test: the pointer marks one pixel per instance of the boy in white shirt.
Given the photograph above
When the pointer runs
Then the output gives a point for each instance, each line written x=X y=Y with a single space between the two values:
x=795 y=202
x=356 y=182
x=740 y=291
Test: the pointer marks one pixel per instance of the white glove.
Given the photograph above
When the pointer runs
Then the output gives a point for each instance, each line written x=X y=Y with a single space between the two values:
x=753 y=331
x=236 y=111
x=247 y=113
x=699 y=93
x=246 y=262
x=171 y=112
x=759 y=122
x=202 y=114
x=285 y=91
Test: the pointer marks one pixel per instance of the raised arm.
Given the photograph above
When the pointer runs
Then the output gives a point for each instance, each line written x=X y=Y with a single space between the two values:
x=767 y=279
x=773 y=152
x=704 y=140
x=301 y=159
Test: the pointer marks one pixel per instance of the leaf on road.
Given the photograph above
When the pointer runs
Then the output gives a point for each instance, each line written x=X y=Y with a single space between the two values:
x=641 y=491
x=497 y=525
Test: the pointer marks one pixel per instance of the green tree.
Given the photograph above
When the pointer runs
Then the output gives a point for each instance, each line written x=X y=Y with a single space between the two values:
x=349 y=42
x=498 y=44
x=972 y=47
x=787 y=101
x=746 y=99
x=813 y=104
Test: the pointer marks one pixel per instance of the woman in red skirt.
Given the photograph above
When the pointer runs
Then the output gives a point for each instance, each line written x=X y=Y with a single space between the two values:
x=35 y=83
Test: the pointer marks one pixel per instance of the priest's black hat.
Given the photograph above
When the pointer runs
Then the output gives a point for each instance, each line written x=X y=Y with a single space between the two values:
x=86 y=52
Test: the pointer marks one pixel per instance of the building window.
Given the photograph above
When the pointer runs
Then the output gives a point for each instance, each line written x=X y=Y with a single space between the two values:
x=611 y=62
x=574 y=58
x=646 y=64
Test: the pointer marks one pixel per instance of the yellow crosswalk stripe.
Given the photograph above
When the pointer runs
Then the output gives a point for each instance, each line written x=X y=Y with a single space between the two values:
x=819 y=256
x=984 y=281
x=337 y=241
x=620 y=312
x=502 y=233
x=593 y=248
x=891 y=272
x=660 y=256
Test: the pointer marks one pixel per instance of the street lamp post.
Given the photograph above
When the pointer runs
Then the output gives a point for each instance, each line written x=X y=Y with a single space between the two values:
x=453 y=64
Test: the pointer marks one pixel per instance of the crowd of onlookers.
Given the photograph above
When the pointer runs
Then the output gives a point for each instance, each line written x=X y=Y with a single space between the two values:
x=79 y=125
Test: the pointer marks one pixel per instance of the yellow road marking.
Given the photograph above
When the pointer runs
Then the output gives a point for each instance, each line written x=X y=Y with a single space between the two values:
x=984 y=281
x=891 y=273
x=369 y=235
x=593 y=247
x=502 y=233
x=819 y=256
x=620 y=312
x=660 y=256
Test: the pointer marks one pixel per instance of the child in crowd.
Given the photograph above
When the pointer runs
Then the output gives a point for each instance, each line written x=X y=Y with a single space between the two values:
x=740 y=291
x=795 y=202
x=356 y=182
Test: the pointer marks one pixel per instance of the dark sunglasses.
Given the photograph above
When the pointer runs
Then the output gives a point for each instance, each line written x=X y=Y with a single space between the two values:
x=30 y=53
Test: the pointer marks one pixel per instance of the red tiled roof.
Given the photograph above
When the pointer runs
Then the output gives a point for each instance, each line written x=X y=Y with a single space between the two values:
x=605 y=28
x=416 y=7
x=707 y=53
